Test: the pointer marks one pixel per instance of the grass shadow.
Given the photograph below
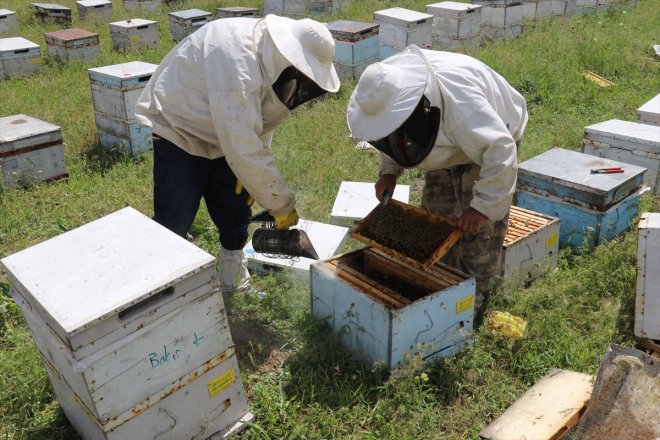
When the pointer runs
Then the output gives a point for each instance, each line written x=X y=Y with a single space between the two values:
x=58 y=428
x=100 y=160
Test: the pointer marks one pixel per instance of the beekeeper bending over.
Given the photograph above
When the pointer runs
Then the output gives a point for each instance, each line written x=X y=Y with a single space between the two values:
x=213 y=104
x=457 y=119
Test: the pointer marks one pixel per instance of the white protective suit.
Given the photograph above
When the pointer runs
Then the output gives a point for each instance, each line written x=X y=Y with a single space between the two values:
x=482 y=118
x=212 y=97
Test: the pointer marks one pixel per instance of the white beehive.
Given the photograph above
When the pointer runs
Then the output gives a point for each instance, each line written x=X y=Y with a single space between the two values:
x=531 y=245
x=9 y=25
x=18 y=57
x=98 y=10
x=536 y=9
x=455 y=24
x=30 y=149
x=628 y=142
x=73 y=44
x=184 y=23
x=649 y=113
x=356 y=47
x=320 y=5
x=357 y=199
x=327 y=240
x=131 y=326
x=563 y=7
x=400 y=27
x=51 y=12
x=236 y=11
x=135 y=33
x=286 y=8
x=502 y=20
x=146 y=5
x=647 y=298
x=115 y=91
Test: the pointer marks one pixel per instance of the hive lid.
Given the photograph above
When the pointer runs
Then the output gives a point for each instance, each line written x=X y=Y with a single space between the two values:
x=190 y=13
x=131 y=23
x=351 y=29
x=92 y=3
x=645 y=137
x=653 y=106
x=16 y=43
x=401 y=16
x=238 y=9
x=451 y=8
x=17 y=128
x=355 y=200
x=4 y=12
x=116 y=73
x=567 y=174
x=70 y=34
x=91 y=274
x=54 y=6
x=407 y=233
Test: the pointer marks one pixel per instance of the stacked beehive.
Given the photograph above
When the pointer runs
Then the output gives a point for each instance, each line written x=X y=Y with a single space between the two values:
x=99 y=10
x=649 y=113
x=184 y=23
x=115 y=91
x=400 y=27
x=73 y=44
x=135 y=33
x=135 y=346
x=536 y=9
x=51 y=12
x=236 y=11
x=287 y=8
x=356 y=47
x=501 y=18
x=18 y=57
x=8 y=23
x=455 y=24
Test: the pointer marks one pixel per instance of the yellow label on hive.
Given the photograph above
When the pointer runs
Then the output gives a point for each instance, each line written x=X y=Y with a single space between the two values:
x=36 y=60
x=133 y=38
x=221 y=383
x=465 y=304
x=552 y=240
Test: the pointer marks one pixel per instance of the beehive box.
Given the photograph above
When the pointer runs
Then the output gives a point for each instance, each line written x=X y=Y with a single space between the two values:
x=400 y=27
x=146 y=5
x=320 y=5
x=327 y=240
x=355 y=200
x=356 y=47
x=51 y=12
x=73 y=44
x=384 y=310
x=9 y=25
x=98 y=10
x=287 y=8
x=30 y=150
x=592 y=207
x=236 y=11
x=628 y=142
x=128 y=340
x=649 y=113
x=531 y=245
x=502 y=20
x=115 y=91
x=135 y=33
x=647 y=298
x=18 y=57
x=536 y=9
x=563 y=7
x=184 y=23
x=455 y=23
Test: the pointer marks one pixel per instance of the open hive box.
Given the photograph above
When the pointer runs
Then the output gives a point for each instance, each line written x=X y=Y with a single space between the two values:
x=385 y=305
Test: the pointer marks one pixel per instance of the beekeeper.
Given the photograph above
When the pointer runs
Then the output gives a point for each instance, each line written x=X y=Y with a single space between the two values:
x=213 y=104
x=460 y=121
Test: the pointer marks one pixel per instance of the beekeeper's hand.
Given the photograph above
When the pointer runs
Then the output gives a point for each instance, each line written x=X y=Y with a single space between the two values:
x=472 y=221
x=286 y=220
x=386 y=184
x=239 y=189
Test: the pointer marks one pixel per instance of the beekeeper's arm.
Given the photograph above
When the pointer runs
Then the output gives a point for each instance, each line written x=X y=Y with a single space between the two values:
x=237 y=118
x=485 y=139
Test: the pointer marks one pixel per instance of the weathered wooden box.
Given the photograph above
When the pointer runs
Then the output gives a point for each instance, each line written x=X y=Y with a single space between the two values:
x=628 y=142
x=531 y=245
x=356 y=47
x=98 y=10
x=355 y=200
x=236 y=11
x=536 y=9
x=455 y=21
x=9 y=25
x=51 y=12
x=327 y=240
x=320 y=5
x=592 y=207
x=400 y=27
x=385 y=310
x=286 y=8
x=115 y=91
x=122 y=333
x=649 y=113
x=502 y=20
x=73 y=44
x=18 y=57
x=135 y=33
x=146 y=5
x=30 y=150
x=647 y=298
x=184 y=23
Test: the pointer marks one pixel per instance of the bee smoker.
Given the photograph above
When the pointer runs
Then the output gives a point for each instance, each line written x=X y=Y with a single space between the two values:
x=280 y=243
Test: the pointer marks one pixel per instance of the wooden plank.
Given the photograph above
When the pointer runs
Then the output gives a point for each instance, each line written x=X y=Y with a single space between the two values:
x=357 y=280
x=546 y=410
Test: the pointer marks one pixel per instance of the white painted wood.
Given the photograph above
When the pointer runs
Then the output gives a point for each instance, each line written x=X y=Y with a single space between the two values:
x=649 y=113
x=146 y=5
x=647 y=298
x=395 y=36
x=357 y=199
x=236 y=11
x=52 y=12
x=18 y=57
x=402 y=17
x=184 y=23
x=452 y=20
x=288 y=8
x=9 y=25
x=327 y=240
x=502 y=16
x=98 y=10
x=134 y=33
x=536 y=9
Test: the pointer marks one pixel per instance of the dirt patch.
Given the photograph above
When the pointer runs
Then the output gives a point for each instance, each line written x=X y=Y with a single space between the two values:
x=403 y=231
x=258 y=349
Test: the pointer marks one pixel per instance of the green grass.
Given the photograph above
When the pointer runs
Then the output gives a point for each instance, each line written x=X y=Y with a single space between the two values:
x=299 y=382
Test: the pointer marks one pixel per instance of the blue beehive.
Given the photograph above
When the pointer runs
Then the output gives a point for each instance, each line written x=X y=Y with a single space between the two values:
x=592 y=207
x=356 y=46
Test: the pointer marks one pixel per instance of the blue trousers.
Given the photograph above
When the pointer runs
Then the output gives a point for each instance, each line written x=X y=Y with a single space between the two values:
x=180 y=182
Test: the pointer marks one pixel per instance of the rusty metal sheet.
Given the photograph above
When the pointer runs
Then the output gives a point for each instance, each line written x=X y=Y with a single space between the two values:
x=70 y=34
